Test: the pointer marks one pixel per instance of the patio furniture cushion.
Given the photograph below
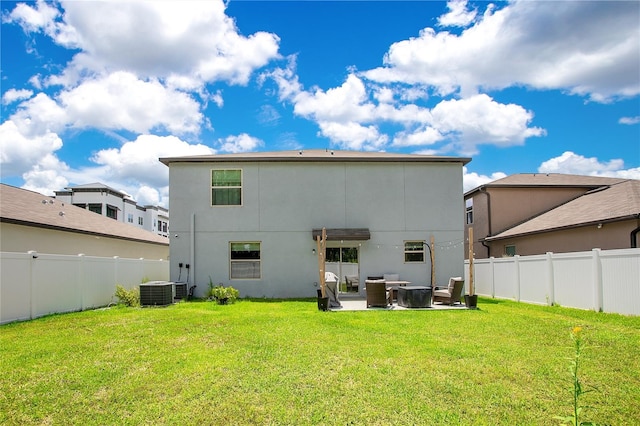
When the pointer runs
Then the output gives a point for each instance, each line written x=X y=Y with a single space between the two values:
x=451 y=294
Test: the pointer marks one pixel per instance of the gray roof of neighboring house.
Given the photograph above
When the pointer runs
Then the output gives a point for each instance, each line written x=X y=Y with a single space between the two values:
x=532 y=180
x=315 y=155
x=93 y=187
x=608 y=203
x=24 y=207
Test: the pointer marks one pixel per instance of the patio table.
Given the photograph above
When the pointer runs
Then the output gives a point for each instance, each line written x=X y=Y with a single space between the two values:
x=393 y=286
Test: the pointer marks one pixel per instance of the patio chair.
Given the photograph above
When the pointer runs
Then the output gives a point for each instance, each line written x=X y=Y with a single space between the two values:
x=377 y=294
x=352 y=282
x=450 y=294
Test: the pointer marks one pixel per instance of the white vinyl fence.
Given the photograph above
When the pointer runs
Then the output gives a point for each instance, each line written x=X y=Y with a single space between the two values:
x=34 y=284
x=601 y=280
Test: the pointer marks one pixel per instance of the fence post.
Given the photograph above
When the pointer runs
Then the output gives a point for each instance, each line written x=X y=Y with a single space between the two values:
x=517 y=265
x=597 y=280
x=493 y=278
x=81 y=280
x=33 y=255
x=115 y=272
x=551 y=299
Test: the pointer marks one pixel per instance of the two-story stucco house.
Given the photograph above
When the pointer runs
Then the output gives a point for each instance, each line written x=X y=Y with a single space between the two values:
x=249 y=220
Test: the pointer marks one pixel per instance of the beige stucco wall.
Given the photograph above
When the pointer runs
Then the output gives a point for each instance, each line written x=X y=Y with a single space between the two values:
x=19 y=238
x=610 y=236
x=509 y=207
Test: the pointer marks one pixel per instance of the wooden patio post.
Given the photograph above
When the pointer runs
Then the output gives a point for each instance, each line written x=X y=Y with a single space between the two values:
x=471 y=289
x=321 y=242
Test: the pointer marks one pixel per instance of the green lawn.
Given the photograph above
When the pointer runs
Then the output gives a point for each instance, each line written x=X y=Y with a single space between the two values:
x=286 y=363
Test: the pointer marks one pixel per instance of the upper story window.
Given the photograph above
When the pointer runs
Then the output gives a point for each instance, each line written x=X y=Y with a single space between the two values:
x=413 y=251
x=140 y=221
x=96 y=208
x=130 y=217
x=469 y=206
x=226 y=187
x=112 y=212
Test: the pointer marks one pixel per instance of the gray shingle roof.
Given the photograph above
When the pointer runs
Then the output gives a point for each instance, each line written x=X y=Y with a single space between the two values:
x=315 y=155
x=24 y=207
x=549 y=179
x=619 y=201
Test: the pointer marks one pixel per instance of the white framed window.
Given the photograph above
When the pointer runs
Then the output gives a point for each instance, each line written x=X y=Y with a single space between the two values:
x=226 y=187
x=414 y=251
x=469 y=207
x=130 y=217
x=140 y=221
x=244 y=260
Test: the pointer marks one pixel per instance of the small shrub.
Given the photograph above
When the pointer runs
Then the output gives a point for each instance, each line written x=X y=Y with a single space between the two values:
x=221 y=294
x=128 y=297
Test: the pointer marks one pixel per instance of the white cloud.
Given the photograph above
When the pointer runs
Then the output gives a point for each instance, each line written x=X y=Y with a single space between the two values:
x=473 y=180
x=46 y=176
x=349 y=102
x=239 y=143
x=350 y=115
x=21 y=152
x=147 y=196
x=480 y=119
x=114 y=102
x=13 y=95
x=185 y=41
x=122 y=101
x=572 y=163
x=422 y=136
x=458 y=15
x=138 y=160
x=630 y=120
x=33 y=19
x=39 y=115
x=353 y=136
x=587 y=48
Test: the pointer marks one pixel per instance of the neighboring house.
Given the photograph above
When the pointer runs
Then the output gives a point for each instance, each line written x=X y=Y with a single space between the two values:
x=114 y=204
x=250 y=220
x=32 y=221
x=536 y=213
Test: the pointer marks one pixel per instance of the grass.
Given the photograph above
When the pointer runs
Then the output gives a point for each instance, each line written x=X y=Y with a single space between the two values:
x=286 y=363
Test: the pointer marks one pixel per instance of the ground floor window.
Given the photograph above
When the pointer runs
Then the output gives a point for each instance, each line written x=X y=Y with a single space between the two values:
x=244 y=259
x=510 y=250
x=414 y=251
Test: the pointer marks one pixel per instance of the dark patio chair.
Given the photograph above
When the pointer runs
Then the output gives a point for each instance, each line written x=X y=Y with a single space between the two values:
x=352 y=282
x=377 y=294
x=450 y=294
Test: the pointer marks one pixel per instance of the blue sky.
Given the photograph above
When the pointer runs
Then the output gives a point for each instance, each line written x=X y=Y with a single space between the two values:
x=98 y=91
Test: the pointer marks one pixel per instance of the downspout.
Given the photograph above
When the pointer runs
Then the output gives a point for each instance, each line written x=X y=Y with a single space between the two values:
x=483 y=190
x=192 y=248
x=634 y=235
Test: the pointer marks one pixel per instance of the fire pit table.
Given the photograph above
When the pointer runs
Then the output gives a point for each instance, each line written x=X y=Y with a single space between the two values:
x=414 y=296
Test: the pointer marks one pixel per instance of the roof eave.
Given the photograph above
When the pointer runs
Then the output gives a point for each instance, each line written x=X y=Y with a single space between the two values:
x=312 y=159
x=78 y=231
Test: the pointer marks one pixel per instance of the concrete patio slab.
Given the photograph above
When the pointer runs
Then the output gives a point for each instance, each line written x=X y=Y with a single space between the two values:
x=353 y=304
